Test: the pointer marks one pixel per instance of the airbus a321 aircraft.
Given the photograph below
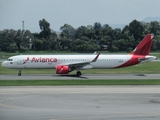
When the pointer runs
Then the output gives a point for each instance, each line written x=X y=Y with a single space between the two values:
x=67 y=63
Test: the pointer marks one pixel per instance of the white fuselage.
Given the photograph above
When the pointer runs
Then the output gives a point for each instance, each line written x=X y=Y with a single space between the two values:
x=51 y=61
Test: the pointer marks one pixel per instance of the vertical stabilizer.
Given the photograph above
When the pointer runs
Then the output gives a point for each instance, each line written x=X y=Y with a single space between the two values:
x=144 y=46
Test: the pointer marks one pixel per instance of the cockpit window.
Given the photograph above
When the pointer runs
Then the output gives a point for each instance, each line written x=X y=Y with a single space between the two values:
x=10 y=59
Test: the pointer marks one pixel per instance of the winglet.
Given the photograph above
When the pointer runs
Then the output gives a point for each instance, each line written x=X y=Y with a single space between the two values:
x=95 y=59
x=143 y=48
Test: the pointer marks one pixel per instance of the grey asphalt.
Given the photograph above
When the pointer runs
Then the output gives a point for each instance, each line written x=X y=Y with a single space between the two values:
x=80 y=103
x=74 y=77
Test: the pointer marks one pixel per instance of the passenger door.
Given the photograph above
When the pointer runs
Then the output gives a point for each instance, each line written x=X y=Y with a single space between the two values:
x=20 y=62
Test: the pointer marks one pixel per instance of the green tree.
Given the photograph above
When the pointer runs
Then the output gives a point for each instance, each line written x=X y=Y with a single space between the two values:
x=45 y=34
x=7 y=40
x=65 y=43
x=136 y=29
x=23 y=38
x=154 y=27
x=90 y=32
x=39 y=44
x=67 y=31
x=80 y=32
x=98 y=29
x=156 y=43
x=67 y=36
x=54 y=45
x=82 y=45
x=107 y=30
x=106 y=39
x=45 y=29
x=116 y=34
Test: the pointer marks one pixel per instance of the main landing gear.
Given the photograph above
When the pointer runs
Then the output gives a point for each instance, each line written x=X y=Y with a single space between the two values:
x=19 y=74
x=79 y=73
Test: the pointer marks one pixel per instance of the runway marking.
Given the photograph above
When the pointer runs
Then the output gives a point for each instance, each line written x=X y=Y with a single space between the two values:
x=13 y=106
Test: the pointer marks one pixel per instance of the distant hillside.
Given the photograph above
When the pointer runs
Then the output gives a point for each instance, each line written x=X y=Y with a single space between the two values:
x=149 y=19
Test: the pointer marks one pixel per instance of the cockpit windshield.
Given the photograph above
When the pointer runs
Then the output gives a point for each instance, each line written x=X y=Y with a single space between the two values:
x=10 y=59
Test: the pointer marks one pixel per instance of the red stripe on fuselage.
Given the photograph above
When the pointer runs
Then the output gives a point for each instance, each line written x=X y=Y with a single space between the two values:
x=133 y=61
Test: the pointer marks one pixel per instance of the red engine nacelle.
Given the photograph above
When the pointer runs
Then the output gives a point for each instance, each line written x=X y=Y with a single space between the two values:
x=62 y=69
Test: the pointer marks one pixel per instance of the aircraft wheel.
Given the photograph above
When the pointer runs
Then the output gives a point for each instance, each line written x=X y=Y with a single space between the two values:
x=19 y=74
x=78 y=73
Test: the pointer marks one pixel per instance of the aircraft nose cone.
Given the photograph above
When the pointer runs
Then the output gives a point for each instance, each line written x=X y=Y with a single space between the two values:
x=4 y=64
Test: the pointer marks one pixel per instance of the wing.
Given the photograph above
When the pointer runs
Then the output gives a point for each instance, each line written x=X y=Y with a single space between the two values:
x=81 y=65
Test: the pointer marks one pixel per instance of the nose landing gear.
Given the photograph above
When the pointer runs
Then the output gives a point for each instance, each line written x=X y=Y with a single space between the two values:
x=19 y=74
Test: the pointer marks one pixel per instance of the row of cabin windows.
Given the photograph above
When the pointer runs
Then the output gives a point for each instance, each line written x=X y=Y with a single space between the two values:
x=89 y=60
x=84 y=60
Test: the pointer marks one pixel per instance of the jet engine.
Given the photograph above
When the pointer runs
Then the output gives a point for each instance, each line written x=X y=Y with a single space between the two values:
x=62 y=69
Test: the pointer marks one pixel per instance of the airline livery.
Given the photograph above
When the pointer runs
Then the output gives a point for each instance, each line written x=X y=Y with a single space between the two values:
x=67 y=63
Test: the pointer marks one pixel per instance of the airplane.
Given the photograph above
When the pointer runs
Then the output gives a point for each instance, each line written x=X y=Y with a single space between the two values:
x=67 y=63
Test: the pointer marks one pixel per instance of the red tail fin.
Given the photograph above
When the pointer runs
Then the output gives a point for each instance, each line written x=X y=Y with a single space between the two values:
x=144 y=46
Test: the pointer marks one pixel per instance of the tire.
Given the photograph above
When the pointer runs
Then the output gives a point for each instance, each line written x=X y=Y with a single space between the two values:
x=78 y=73
x=19 y=74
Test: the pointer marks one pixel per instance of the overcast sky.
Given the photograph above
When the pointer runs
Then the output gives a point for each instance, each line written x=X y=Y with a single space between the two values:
x=73 y=12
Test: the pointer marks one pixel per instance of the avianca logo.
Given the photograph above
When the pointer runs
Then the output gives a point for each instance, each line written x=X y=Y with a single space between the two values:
x=60 y=70
x=26 y=60
x=40 y=59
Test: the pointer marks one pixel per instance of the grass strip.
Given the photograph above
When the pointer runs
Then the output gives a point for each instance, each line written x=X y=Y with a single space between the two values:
x=76 y=82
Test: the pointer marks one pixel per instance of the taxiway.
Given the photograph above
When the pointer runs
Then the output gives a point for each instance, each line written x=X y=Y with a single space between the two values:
x=74 y=77
x=80 y=103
